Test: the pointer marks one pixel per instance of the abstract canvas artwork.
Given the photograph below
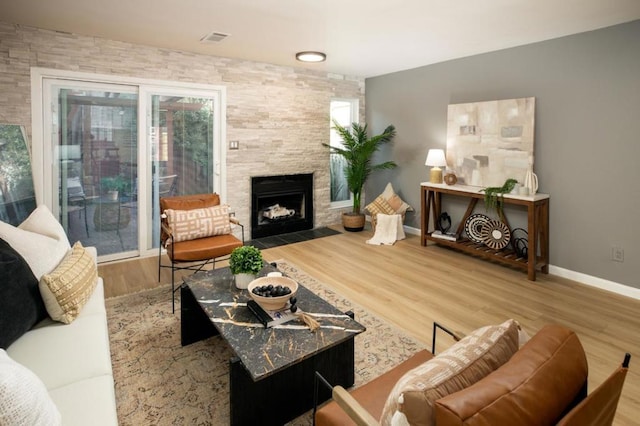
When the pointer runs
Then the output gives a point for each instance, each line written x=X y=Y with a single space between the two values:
x=490 y=142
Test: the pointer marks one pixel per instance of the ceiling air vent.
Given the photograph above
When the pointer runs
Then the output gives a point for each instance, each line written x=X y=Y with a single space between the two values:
x=214 y=37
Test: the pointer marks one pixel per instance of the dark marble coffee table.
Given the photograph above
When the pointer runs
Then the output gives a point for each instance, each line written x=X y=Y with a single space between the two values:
x=272 y=374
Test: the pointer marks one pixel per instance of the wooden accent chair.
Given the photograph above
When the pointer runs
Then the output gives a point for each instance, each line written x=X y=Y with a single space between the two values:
x=193 y=240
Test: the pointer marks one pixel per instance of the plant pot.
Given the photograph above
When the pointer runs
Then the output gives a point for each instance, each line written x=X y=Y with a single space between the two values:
x=353 y=222
x=243 y=280
x=112 y=195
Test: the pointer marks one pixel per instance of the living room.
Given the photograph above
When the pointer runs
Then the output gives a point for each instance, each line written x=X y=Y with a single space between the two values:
x=587 y=94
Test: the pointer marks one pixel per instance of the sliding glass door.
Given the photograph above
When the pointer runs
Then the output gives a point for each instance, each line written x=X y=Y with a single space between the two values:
x=110 y=151
x=181 y=137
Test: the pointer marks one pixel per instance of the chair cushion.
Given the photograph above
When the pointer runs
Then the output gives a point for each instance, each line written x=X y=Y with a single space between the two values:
x=379 y=205
x=21 y=305
x=463 y=364
x=189 y=202
x=198 y=223
x=553 y=361
x=203 y=248
x=67 y=288
x=390 y=195
x=186 y=202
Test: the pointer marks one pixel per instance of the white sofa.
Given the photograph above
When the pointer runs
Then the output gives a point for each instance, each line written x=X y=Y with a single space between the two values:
x=74 y=363
x=55 y=361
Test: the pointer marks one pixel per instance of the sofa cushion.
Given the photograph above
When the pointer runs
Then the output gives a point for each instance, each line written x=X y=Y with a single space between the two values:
x=198 y=223
x=21 y=305
x=68 y=287
x=24 y=400
x=461 y=365
x=89 y=401
x=536 y=386
x=75 y=351
x=39 y=239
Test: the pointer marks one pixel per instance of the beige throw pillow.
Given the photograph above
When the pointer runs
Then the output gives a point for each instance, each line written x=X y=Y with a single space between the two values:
x=469 y=360
x=380 y=205
x=69 y=286
x=394 y=200
x=198 y=223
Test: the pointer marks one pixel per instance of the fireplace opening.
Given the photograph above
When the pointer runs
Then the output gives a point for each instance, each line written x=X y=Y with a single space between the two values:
x=281 y=204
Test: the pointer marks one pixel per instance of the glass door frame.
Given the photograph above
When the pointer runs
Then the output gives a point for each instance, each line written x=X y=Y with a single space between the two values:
x=42 y=148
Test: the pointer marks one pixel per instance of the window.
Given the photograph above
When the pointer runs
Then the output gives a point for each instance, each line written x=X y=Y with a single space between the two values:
x=344 y=112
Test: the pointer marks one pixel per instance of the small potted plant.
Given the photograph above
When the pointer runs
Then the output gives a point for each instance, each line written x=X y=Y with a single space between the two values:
x=113 y=185
x=245 y=263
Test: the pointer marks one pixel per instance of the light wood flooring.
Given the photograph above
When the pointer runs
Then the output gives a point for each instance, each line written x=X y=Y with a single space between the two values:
x=412 y=286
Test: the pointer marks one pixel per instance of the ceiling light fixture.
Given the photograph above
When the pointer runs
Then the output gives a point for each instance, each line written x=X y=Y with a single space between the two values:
x=311 y=56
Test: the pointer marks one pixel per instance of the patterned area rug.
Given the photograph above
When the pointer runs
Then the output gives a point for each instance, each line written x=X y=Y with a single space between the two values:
x=159 y=382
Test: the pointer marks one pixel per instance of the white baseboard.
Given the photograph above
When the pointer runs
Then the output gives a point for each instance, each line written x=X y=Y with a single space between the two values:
x=585 y=279
x=592 y=281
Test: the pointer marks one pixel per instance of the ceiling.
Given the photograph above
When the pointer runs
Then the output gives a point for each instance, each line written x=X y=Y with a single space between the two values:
x=360 y=37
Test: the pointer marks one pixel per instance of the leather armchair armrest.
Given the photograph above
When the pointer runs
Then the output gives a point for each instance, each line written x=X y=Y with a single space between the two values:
x=356 y=412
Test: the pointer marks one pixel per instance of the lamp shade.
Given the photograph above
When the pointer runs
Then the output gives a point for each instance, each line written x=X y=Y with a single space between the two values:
x=436 y=158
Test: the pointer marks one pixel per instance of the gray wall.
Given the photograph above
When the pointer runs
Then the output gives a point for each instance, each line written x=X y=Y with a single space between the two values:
x=587 y=148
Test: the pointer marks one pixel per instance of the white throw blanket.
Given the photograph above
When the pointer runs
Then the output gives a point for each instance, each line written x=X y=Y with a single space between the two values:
x=388 y=230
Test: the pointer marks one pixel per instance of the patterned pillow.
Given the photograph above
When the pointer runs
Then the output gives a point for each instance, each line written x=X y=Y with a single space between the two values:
x=67 y=288
x=469 y=360
x=380 y=205
x=394 y=199
x=198 y=223
x=24 y=399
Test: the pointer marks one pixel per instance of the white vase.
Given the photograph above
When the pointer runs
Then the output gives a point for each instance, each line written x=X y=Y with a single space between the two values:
x=243 y=280
x=531 y=181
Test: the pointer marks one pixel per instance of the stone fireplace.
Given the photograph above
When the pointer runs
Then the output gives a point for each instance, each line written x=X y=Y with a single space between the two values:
x=281 y=204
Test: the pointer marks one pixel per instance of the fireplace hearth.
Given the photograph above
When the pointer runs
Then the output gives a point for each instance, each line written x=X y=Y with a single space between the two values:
x=281 y=204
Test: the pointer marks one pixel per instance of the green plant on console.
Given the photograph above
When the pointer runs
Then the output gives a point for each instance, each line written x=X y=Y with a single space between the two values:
x=493 y=195
x=245 y=260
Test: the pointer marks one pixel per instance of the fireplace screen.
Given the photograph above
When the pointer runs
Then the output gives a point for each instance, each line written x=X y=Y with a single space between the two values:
x=281 y=204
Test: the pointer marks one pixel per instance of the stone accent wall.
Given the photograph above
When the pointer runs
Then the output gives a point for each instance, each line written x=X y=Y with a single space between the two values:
x=279 y=115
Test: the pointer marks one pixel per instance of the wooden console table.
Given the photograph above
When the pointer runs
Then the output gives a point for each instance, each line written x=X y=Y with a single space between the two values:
x=537 y=226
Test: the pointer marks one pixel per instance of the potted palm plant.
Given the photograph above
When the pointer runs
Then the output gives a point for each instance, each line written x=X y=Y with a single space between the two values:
x=357 y=150
x=245 y=263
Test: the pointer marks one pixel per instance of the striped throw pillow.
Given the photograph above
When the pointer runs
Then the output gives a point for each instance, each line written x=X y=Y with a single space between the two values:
x=69 y=286
x=380 y=205
x=198 y=223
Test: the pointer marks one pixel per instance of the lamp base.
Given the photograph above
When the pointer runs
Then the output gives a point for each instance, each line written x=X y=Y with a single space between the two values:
x=435 y=176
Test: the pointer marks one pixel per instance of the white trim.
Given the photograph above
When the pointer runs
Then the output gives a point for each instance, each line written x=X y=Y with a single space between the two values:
x=614 y=287
x=621 y=289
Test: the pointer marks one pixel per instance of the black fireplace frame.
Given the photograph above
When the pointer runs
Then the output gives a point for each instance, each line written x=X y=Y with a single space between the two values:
x=282 y=185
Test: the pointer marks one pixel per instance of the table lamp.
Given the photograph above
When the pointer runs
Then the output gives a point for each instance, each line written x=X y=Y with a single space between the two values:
x=436 y=159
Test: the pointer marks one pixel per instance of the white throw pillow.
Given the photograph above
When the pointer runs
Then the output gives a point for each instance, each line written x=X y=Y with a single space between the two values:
x=24 y=400
x=40 y=239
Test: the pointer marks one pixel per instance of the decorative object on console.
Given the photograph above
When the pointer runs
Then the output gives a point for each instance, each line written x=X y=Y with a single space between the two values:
x=495 y=234
x=493 y=195
x=531 y=179
x=357 y=149
x=520 y=242
x=488 y=142
x=435 y=160
x=473 y=227
x=245 y=263
x=450 y=177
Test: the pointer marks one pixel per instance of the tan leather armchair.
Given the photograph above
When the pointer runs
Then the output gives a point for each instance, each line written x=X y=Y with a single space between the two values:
x=193 y=254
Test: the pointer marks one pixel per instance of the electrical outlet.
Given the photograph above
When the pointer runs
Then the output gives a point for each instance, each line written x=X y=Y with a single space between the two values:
x=234 y=144
x=617 y=254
